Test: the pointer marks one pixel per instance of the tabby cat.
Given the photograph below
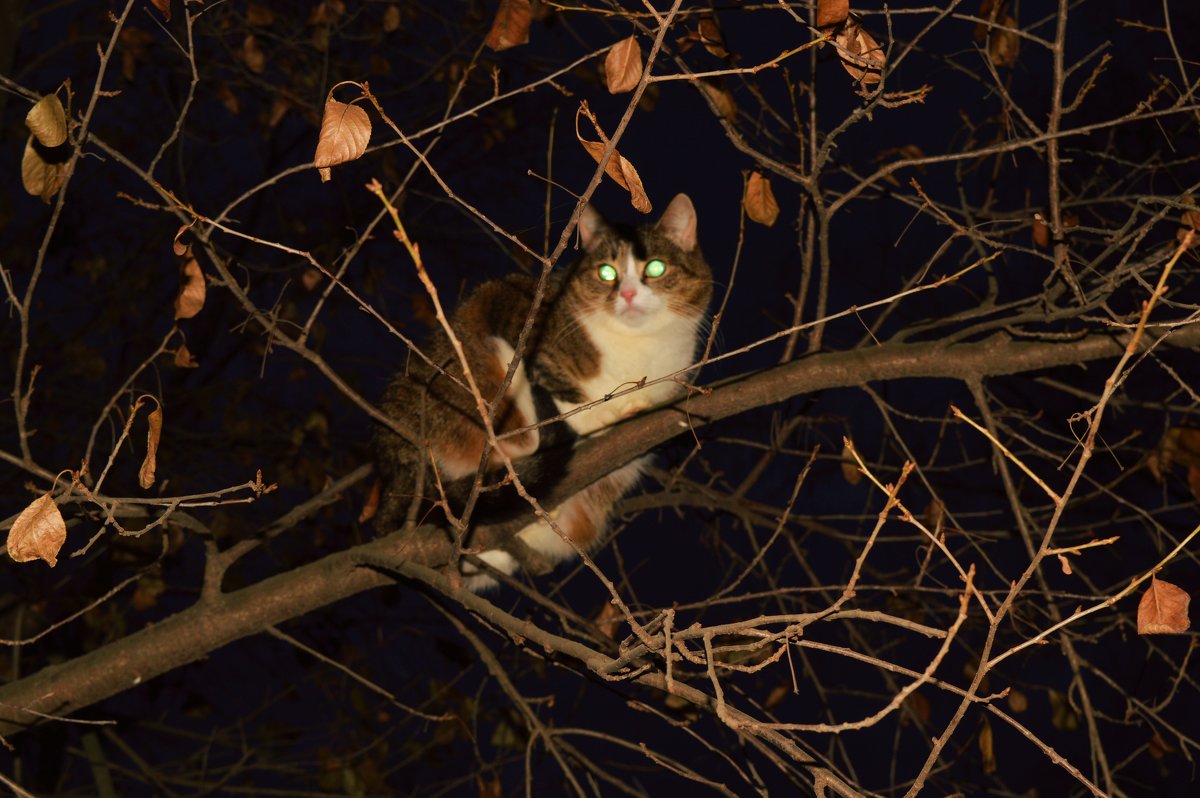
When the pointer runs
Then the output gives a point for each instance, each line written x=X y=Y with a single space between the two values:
x=631 y=309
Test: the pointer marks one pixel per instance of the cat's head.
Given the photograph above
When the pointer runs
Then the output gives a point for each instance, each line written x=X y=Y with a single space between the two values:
x=642 y=278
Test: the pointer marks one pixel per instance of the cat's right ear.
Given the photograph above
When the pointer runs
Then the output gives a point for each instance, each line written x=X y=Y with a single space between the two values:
x=591 y=227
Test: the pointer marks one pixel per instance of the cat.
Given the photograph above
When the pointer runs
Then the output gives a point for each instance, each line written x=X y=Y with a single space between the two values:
x=631 y=309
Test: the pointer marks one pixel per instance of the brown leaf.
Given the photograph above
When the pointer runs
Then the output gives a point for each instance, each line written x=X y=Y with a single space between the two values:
x=721 y=98
x=228 y=99
x=47 y=121
x=861 y=55
x=1064 y=564
x=145 y=595
x=1004 y=45
x=191 y=295
x=184 y=359
x=1180 y=446
x=326 y=173
x=832 y=12
x=990 y=10
x=279 y=108
x=38 y=533
x=345 y=132
x=618 y=167
x=177 y=246
x=986 y=748
x=776 y=696
x=1194 y=480
x=850 y=471
x=310 y=279
x=1041 y=232
x=164 y=8
x=759 y=200
x=391 y=18
x=510 y=28
x=326 y=12
x=371 y=505
x=1062 y=716
x=253 y=56
x=918 y=705
x=39 y=177
x=260 y=16
x=153 y=433
x=1017 y=701
x=935 y=513
x=623 y=66
x=1159 y=747
x=1163 y=609
x=710 y=36
x=608 y=620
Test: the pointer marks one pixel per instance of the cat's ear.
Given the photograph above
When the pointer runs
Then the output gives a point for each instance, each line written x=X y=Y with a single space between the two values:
x=591 y=227
x=678 y=223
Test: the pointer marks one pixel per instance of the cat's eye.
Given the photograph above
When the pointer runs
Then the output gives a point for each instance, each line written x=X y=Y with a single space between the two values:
x=655 y=268
x=607 y=272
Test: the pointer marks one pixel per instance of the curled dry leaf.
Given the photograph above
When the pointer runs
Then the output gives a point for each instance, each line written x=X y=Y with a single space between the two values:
x=38 y=533
x=153 y=433
x=164 y=8
x=759 y=200
x=47 y=121
x=1181 y=445
x=391 y=18
x=510 y=28
x=776 y=696
x=1064 y=564
x=1017 y=701
x=623 y=66
x=721 y=98
x=191 y=295
x=861 y=55
x=609 y=620
x=40 y=177
x=918 y=705
x=850 y=471
x=618 y=167
x=177 y=246
x=1004 y=45
x=228 y=99
x=832 y=12
x=1158 y=747
x=345 y=132
x=1163 y=609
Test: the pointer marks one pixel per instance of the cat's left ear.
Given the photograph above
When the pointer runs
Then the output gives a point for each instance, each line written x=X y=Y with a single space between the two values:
x=678 y=223
x=591 y=227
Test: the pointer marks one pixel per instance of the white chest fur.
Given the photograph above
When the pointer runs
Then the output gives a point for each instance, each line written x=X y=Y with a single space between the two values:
x=627 y=356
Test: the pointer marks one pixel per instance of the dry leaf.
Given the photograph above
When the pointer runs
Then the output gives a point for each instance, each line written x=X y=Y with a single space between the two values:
x=184 y=359
x=39 y=177
x=177 y=246
x=935 y=514
x=832 y=12
x=510 y=28
x=345 y=132
x=759 y=200
x=153 y=433
x=279 y=108
x=38 y=533
x=918 y=705
x=986 y=748
x=1159 y=747
x=721 y=98
x=710 y=36
x=253 y=56
x=1062 y=716
x=1017 y=701
x=145 y=595
x=1004 y=45
x=47 y=121
x=326 y=173
x=776 y=696
x=623 y=66
x=164 y=8
x=310 y=279
x=1181 y=445
x=1163 y=609
x=190 y=299
x=260 y=16
x=371 y=505
x=608 y=620
x=1041 y=232
x=618 y=167
x=228 y=99
x=1066 y=566
x=861 y=55
x=326 y=12
x=850 y=470
x=391 y=19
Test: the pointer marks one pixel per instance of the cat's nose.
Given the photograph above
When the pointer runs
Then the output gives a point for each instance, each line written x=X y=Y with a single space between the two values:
x=627 y=294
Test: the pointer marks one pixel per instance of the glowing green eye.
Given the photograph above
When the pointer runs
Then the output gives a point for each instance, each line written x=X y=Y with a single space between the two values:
x=655 y=268
x=607 y=272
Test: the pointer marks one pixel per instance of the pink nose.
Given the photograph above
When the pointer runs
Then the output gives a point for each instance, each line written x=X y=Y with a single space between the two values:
x=627 y=294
